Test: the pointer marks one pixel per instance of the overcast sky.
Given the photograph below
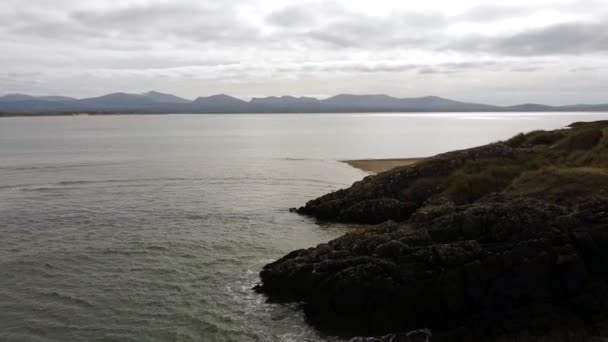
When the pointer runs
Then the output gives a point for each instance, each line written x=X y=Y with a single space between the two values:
x=500 y=52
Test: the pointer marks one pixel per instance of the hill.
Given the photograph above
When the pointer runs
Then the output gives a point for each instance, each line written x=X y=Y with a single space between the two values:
x=503 y=242
x=155 y=102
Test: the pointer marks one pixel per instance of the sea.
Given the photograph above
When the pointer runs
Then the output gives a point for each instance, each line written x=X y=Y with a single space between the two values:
x=155 y=227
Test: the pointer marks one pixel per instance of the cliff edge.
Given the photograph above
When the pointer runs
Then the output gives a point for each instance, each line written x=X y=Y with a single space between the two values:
x=507 y=241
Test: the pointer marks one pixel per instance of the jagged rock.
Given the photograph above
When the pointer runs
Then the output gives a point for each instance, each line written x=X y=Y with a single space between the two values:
x=504 y=242
x=487 y=270
x=520 y=167
x=376 y=211
x=377 y=198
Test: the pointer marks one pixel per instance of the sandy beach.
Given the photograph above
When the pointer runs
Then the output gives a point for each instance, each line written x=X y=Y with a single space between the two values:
x=380 y=165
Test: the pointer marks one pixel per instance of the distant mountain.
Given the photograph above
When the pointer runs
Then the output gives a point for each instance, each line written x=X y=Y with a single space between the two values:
x=586 y=108
x=165 y=98
x=218 y=100
x=284 y=100
x=435 y=103
x=119 y=99
x=362 y=101
x=155 y=102
x=218 y=104
x=530 y=107
x=387 y=103
x=115 y=102
x=16 y=97
x=56 y=98
x=286 y=104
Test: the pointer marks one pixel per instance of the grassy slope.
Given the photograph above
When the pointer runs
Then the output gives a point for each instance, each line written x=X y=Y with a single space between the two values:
x=560 y=166
x=504 y=242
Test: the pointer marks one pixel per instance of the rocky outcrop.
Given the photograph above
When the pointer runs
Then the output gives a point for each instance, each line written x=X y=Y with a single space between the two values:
x=468 y=175
x=480 y=272
x=382 y=194
x=504 y=242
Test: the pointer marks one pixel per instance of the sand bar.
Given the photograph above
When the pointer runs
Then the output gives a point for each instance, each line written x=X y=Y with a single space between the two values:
x=380 y=165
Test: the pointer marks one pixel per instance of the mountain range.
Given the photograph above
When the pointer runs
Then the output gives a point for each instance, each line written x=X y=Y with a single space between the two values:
x=155 y=102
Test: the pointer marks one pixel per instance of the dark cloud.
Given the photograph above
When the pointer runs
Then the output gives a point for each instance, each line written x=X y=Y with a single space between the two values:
x=177 y=20
x=575 y=38
x=63 y=30
x=400 y=30
x=135 y=16
x=166 y=22
x=292 y=17
x=569 y=38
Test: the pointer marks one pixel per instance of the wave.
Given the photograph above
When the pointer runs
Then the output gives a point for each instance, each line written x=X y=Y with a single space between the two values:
x=45 y=189
x=213 y=180
x=66 y=298
x=291 y=158
x=55 y=166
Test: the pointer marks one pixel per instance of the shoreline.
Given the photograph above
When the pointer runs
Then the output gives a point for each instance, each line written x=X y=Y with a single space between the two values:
x=60 y=114
x=38 y=115
x=374 y=166
x=499 y=242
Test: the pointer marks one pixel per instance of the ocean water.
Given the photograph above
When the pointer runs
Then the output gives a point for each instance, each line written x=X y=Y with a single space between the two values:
x=154 y=228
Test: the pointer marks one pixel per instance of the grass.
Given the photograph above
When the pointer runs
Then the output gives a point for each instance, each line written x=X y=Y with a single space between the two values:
x=537 y=138
x=583 y=139
x=479 y=179
x=421 y=190
x=561 y=185
x=561 y=166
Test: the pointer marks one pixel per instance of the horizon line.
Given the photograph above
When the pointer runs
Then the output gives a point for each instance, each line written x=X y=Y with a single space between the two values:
x=317 y=97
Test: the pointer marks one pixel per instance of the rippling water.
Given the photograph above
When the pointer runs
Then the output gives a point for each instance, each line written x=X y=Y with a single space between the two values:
x=153 y=228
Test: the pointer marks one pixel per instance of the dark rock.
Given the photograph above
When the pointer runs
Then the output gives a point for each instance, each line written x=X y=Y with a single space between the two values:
x=500 y=269
x=569 y=166
x=504 y=242
x=377 y=198
x=376 y=211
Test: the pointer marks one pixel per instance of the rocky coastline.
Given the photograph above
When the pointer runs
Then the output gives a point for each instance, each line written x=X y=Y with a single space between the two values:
x=503 y=242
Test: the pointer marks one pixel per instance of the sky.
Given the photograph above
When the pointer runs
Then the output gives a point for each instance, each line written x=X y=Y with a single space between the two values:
x=498 y=52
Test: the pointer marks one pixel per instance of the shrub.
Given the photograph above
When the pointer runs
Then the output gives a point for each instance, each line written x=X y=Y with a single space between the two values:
x=545 y=137
x=467 y=187
x=516 y=141
x=421 y=190
x=561 y=185
x=583 y=139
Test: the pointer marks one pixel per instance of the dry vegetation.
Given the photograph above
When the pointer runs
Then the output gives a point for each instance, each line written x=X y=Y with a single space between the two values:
x=503 y=242
x=563 y=166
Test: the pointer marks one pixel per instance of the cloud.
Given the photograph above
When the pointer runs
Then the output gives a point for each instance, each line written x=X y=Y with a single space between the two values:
x=265 y=45
x=150 y=20
x=292 y=17
x=576 y=38
x=490 y=13
x=393 y=31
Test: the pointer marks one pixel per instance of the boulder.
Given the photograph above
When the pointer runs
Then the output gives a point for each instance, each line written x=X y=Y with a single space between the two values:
x=480 y=272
